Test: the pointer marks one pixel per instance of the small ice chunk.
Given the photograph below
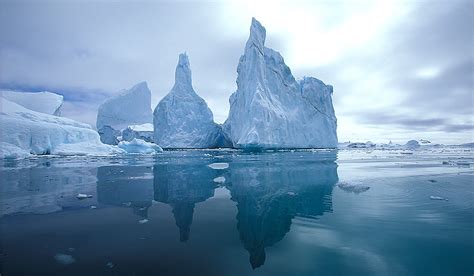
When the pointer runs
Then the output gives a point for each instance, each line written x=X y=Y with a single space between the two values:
x=438 y=198
x=291 y=193
x=110 y=265
x=351 y=187
x=219 y=179
x=142 y=221
x=218 y=166
x=93 y=207
x=137 y=146
x=64 y=259
x=83 y=196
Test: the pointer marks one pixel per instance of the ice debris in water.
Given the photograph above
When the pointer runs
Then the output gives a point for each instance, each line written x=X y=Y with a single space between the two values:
x=110 y=265
x=64 y=259
x=352 y=187
x=93 y=207
x=438 y=198
x=219 y=179
x=83 y=196
x=218 y=166
x=142 y=221
x=138 y=146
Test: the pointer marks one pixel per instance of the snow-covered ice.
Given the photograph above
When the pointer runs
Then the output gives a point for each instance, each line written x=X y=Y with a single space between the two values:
x=143 y=132
x=138 y=146
x=270 y=109
x=218 y=166
x=182 y=118
x=83 y=196
x=26 y=132
x=43 y=102
x=219 y=179
x=130 y=107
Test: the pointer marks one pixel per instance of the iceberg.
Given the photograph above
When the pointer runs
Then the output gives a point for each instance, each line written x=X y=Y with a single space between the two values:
x=270 y=109
x=43 y=102
x=108 y=135
x=26 y=132
x=143 y=132
x=412 y=144
x=130 y=107
x=138 y=146
x=182 y=118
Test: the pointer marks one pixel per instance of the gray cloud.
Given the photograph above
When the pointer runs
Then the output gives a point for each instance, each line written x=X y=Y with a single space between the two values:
x=90 y=50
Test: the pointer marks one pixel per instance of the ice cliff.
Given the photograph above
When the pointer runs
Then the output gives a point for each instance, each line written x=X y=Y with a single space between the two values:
x=26 y=132
x=44 y=102
x=130 y=107
x=270 y=109
x=182 y=119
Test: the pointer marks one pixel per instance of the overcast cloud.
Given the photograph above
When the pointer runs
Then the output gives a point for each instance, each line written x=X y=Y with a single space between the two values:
x=400 y=69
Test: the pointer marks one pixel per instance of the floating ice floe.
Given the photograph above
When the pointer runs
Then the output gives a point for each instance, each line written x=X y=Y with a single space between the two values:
x=352 y=187
x=219 y=179
x=64 y=259
x=218 y=166
x=137 y=146
x=83 y=196
x=438 y=198
x=142 y=221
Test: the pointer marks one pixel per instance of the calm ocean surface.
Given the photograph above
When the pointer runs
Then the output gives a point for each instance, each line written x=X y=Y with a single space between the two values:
x=346 y=212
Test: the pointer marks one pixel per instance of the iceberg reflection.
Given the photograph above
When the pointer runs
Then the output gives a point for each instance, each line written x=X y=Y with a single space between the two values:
x=182 y=185
x=271 y=191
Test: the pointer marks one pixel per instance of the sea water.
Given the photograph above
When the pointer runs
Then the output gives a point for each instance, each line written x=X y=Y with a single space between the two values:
x=228 y=212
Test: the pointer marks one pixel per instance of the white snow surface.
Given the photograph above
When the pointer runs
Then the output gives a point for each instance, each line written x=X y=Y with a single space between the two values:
x=182 y=118
x=270 y=109
x=44 y=102
x=130 y=107
x=24 y=132
x=138 y=146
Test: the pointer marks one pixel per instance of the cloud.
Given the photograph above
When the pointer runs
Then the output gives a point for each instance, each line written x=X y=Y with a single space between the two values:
x=384 y=58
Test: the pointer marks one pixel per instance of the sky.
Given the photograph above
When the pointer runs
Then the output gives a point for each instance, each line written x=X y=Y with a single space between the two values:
x=400 y=69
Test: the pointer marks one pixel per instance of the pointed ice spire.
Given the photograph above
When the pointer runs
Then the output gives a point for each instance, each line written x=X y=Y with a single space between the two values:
x=257 y=35
x=183 y=74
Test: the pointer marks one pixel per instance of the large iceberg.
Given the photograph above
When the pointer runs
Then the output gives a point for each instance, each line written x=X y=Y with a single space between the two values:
x=44 y=102
x=182 y=119
x=26 y=132
x=130 y=107
x=143 y=132
x=270 y=109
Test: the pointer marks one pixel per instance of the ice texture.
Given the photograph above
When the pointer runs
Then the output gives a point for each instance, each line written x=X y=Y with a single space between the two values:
x=182 y=118
x=138 y=146
x=143 y=132
x=43 y=102
x=108 y=135
x=270 y=109
x=130 y=107
x=26 y=132
x=412 y=144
